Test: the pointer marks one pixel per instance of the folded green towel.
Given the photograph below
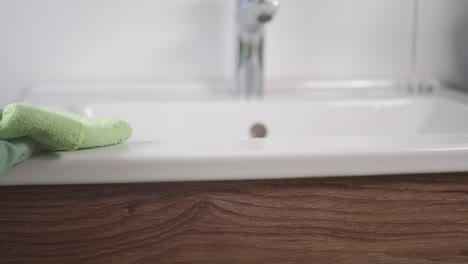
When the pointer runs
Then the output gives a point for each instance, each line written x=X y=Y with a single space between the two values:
x=26 y=129
x=56 y=130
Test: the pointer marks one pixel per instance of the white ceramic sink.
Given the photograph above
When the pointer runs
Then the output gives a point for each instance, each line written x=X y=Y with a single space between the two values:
x=289 y=121
x=212 y=140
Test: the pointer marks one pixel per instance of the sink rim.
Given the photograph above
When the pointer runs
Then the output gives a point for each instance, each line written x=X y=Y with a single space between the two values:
x=140 y=161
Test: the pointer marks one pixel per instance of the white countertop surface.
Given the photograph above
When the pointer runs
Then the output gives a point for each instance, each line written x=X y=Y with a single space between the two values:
x=244 y=159
x=210 y=140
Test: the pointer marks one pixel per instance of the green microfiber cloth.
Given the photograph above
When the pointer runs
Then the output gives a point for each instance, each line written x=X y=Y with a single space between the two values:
x=57 y=130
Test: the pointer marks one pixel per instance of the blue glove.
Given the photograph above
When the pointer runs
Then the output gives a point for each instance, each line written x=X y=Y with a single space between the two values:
x=15 y=151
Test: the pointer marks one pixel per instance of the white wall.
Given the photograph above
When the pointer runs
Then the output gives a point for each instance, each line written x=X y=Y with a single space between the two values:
x=341 y=39
x=443 y=40
x=43 y=41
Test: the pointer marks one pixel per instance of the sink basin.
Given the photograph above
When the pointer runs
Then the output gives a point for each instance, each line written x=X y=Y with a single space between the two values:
x=230 y=140
x=289 y=121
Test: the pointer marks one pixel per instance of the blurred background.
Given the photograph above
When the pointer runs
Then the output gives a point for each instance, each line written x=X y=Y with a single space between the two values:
x=53 y=41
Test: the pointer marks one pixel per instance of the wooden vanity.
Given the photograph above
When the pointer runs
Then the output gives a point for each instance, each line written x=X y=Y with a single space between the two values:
x=383 y=219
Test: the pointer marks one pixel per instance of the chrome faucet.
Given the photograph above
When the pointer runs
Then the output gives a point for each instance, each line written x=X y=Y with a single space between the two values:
x=252 y=15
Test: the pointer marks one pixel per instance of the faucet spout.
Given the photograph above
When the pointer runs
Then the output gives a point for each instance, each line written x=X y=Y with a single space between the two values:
x=252 y=15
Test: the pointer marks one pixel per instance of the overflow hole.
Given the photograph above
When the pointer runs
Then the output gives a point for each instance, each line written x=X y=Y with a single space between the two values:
x=258 y=130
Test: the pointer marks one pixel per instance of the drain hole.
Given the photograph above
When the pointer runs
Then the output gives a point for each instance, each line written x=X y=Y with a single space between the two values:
x=258 y=130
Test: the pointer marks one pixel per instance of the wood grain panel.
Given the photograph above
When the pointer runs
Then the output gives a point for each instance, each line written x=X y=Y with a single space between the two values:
x=392 y=219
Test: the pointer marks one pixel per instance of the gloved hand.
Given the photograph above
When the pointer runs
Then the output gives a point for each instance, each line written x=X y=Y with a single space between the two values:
x=15 y=151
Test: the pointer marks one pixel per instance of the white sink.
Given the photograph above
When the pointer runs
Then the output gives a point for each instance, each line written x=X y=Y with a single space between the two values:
x=289 y=121
x=212 y=140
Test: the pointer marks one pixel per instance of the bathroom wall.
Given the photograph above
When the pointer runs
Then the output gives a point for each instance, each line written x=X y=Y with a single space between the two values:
x=341 y=39
x=48 y=41
x=443 y=40
x=43 y=41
